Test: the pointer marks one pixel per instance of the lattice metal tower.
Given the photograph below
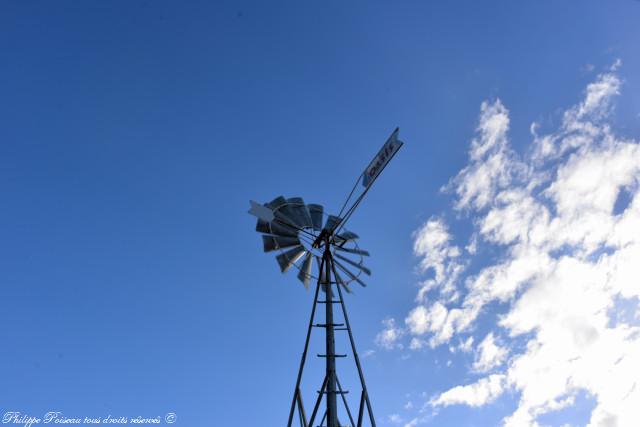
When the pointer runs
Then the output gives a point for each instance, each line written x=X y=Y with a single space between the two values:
x=304 y=238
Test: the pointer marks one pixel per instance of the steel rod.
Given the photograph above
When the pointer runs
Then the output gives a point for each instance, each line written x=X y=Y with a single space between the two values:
x=304 y=353
x=324 y=417
x=303 y=422
x=361 y=410
x=355 y=205
x=344 y=400
x=353 y=348
x=332 y=406
x=350 y=194
x=317 y=405
x=301 y=411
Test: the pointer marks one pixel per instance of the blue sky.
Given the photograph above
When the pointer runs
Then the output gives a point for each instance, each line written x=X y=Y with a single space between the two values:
x=134 y=133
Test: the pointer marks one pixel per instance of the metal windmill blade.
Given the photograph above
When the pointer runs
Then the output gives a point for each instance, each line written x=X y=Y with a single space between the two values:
x=340 y=281
x=345 y=242
x=304 y=275
x=299 y=212
x=358 y=265
x=271 y=243
x=287 y=259
x=351 y=275
x=283 y=212
x=352 y=251
x=332 y=222
x=348 y=235
x=316 y=212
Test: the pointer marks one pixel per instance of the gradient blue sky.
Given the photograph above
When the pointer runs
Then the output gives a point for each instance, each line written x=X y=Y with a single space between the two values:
x=134 y=133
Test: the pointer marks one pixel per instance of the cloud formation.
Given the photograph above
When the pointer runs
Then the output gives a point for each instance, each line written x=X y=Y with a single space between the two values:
x=389 y=337
x=565 y=219
x=489 y=354
x=486 y=390
x=432 y=243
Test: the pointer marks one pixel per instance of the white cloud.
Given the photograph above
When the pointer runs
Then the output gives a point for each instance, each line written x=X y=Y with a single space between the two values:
x=472 y=247
x=489 y=354
x=412 y=423
x=514 y=215
x=437 y=320
x=598 y=97
x=368 y=353
x=580 y=123
x=418 y=320
x=465 y=346
x=389 y=336
x=432 y=243
x=491 y=164
x=566 y=261
x=416 y=343
x=480 y=393
x=492 y=128
x=395 y=419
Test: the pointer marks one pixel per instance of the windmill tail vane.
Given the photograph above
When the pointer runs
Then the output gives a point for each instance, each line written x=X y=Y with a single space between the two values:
x=303 y=236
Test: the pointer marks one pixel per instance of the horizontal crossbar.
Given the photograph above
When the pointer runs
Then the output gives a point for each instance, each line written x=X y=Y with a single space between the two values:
x=325 y=325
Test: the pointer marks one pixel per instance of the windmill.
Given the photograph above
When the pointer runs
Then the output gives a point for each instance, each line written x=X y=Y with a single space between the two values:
x=305 y=236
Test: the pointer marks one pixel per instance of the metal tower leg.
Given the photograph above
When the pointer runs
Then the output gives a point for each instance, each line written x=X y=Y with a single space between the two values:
x=332 y=406
x=296 y=393
x=365 y=393
x=344 y=401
